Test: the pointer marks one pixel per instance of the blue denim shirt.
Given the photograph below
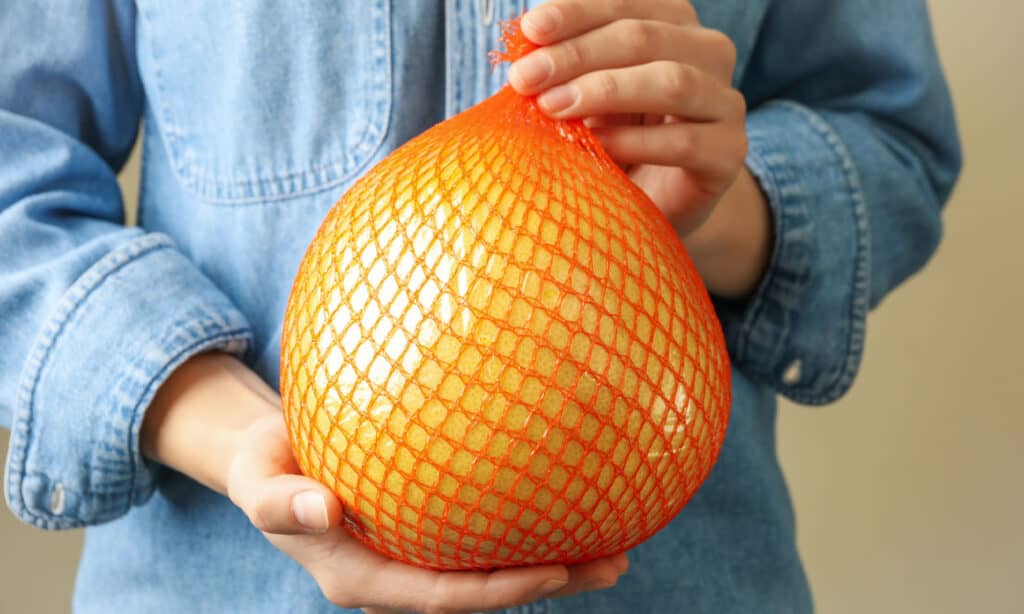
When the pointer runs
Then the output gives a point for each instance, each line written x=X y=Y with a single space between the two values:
x=258 y=116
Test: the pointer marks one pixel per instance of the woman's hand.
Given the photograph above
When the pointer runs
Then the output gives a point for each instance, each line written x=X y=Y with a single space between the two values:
x=213 y=403
x=656 y=88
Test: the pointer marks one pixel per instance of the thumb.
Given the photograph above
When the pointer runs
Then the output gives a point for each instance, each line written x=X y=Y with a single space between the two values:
x=263 y=481
x=291 y=504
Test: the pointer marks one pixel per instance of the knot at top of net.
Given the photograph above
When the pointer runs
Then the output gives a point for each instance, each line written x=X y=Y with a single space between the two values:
x=515 y=42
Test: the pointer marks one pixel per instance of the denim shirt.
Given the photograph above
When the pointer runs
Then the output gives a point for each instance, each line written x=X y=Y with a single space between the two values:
x=258 y=116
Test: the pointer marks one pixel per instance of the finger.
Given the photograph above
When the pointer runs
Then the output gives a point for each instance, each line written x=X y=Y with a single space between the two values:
x=558 y=20
x=615 y=119
x=504 y=588
x=627 y=42
x=621 y=563
x=597 y=575
x=263 y=481
x=664 y=88
x=292 y=504
x=421 y=589
x=709 y=150
x=352 y=575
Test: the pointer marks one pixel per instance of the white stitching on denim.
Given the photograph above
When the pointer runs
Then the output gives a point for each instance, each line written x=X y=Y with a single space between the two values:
x=21 y=419
x=771 y=187
x=239 y=339
x=811 y=390
x=272 y=189
x=859 y=300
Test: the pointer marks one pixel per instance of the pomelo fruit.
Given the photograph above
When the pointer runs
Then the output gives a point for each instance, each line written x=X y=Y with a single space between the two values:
x=497 y=352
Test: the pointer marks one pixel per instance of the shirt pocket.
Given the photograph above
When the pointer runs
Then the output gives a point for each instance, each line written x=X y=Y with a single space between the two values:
x=260 y=101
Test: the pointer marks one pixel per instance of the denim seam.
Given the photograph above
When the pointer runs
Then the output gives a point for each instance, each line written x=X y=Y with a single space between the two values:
x=273 y=189
x=449 y=73
x=234 y=340
x=757 y=163
x=455 y=59
x=760 y=344
x=843 y=377
x=108 y=506
x=760 y=341
x=21 y=428
x=21 y=420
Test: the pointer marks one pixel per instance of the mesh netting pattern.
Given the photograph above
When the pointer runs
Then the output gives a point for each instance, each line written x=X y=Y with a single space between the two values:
x=497 y=352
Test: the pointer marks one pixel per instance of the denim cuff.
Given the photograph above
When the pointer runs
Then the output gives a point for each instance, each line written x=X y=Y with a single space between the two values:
x=118 y=333
x=802 y=332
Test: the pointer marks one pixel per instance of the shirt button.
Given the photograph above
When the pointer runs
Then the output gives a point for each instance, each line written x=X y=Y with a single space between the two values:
x=487 y=12
x=791 y=375
x=57 y=499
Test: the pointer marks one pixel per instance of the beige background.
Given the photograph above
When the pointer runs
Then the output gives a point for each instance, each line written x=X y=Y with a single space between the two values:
x=908 y=492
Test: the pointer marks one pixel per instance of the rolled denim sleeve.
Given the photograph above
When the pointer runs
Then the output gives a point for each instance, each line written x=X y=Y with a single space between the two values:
x=93 y=315
x=853 y=141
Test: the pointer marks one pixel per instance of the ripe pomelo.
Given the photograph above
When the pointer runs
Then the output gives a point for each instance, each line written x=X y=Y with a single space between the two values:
x=497 y=352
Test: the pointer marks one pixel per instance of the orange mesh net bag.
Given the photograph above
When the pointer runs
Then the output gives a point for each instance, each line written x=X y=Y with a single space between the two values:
x=497 y=352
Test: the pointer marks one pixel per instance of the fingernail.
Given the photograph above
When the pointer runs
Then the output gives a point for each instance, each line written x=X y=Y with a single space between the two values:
x=532 y=70
x=558 y=98
x=542 y=21
x=550 y=586
x=621 y=563
x=599 y=585
x=310 y=510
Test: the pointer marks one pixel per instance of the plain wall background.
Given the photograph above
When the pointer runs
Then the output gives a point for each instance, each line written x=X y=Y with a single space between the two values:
x=908 y=492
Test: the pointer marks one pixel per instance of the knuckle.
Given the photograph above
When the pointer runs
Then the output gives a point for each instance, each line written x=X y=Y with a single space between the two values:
x=723 y=49
x=636 y=36
x=346 y=603
x=619 y=7
x=573 y=11
x=687 y=12
x=234 y=492
x=679 y=80
x=739 y=102
x=684 y=145
x=259 y=514
x=439 y=600
x=571 y=55
x=605 y=87
x=436 y=606
x=340 y=598
x=743 y=145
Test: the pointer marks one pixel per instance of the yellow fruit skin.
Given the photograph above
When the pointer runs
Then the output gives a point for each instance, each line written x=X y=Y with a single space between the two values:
x=497 y=353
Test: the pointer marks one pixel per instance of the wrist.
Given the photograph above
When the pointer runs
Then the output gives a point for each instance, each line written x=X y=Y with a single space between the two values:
x=732 y=248
x=199 y=415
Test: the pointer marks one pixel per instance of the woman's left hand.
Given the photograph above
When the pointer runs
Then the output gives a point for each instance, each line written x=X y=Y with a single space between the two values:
x=656 y=86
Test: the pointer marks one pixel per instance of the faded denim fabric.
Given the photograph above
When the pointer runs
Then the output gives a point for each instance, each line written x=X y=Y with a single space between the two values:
x=258 y=116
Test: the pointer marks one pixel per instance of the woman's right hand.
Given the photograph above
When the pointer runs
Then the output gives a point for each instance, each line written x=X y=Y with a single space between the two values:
x=303 y=518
